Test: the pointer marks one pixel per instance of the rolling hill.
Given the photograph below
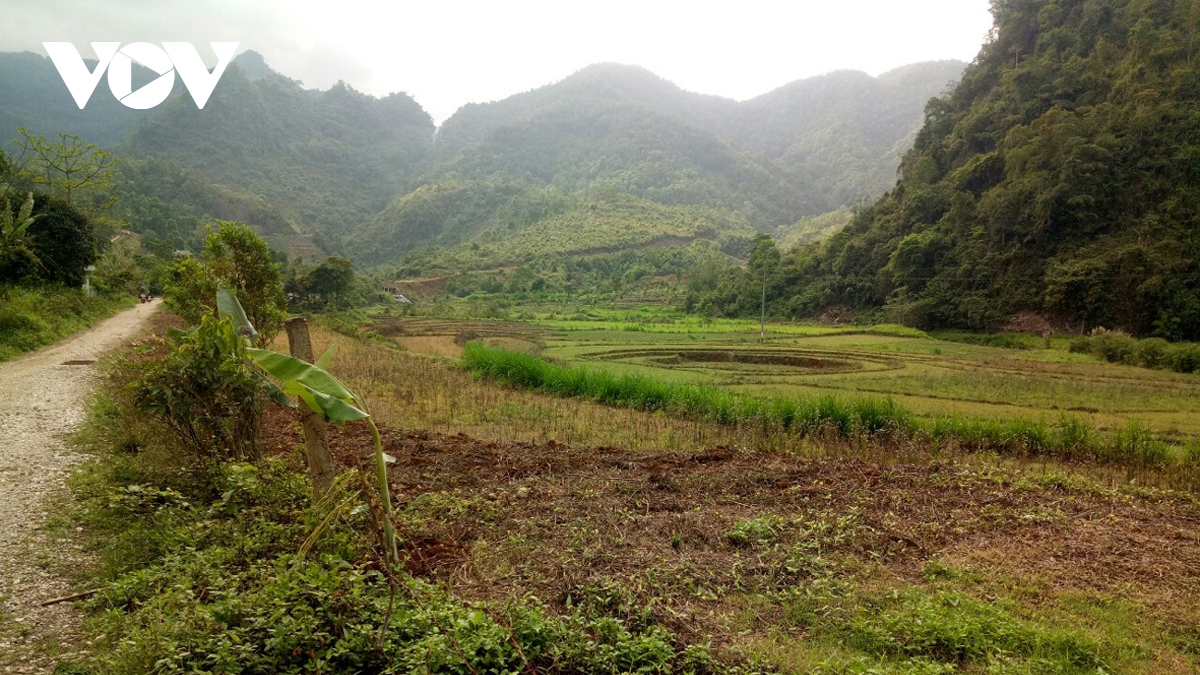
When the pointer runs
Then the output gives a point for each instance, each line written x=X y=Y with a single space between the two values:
x=621 y=129
x=372 y=177
x=1059 y=178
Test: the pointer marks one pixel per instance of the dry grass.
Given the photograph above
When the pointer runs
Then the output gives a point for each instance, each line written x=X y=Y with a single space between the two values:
x=708 y=543
x=709 y=530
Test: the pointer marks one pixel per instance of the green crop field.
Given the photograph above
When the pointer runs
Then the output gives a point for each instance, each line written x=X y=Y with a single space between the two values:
x=928 y=376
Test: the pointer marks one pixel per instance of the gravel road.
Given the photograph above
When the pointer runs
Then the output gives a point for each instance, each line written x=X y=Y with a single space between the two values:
x=42 y=398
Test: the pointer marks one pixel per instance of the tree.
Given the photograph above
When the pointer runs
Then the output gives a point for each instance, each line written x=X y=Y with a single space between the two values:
x=241 y=259
x=763 y=264
x=62 y=239
x=119 y=271
x=332 y=279
x=190 y=289
x=764 y=259
x=17 y=259
x=236 y=257
x=66 y=168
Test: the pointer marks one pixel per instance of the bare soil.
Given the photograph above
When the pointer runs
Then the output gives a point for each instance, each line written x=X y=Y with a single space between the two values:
x=498 y=521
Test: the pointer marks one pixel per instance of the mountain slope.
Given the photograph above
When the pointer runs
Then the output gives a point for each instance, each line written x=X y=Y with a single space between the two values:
x=371 y=178
x=34 y=97
x=1059 y=177
x=324 y=160
x=845 y=131
x=621 y=129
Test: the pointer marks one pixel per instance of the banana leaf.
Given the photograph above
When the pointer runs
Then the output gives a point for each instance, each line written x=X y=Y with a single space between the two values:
x=228 y=305
x=294 y=373
x=335 y=409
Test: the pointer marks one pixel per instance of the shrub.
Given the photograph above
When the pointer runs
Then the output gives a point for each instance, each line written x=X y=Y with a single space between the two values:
x=1152 y=353
x=1080 y=345
x=238 y=258
x=1113 y=347
x=207 y=393
x=1185 y=359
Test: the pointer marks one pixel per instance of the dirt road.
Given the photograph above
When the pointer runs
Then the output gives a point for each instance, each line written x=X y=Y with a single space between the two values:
x=42 y=398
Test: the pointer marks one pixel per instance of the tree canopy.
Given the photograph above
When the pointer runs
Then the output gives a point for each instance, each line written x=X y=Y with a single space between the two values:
x=1058 y=177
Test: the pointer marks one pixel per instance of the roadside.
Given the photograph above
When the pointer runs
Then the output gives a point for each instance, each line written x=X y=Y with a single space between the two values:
x=42 y=398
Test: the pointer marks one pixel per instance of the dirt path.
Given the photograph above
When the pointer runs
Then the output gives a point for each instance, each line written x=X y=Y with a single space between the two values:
x=41 y=399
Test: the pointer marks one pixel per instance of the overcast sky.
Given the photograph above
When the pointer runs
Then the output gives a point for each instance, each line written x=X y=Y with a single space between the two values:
x=453 y=52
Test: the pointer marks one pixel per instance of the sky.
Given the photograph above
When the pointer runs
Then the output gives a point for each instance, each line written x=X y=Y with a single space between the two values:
x=452 y=52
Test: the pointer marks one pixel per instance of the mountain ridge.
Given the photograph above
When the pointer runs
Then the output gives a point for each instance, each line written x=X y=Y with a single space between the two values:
x=338 y=163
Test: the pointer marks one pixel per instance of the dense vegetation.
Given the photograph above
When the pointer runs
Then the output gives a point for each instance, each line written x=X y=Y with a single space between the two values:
x=35 y=98
x=1058 y=177
x=46 y=245
x=614 y=130
x=322 y=161
x=32 y=317
x=370 y=179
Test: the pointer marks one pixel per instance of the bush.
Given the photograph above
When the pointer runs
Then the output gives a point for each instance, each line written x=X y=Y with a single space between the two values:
x=206 y=392
x=238 y=258
x=1113 y=347
x=32 y=317
x=1149 y=353
x=1152 y=353
x=1185 y=359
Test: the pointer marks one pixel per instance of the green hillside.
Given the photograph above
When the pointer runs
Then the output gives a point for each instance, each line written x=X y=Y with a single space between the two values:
x=373 y=178
x=32 y=95
x=617 y=129
x=845 y=132
x=325 y=161
x=593 y=225
x=1059 y=177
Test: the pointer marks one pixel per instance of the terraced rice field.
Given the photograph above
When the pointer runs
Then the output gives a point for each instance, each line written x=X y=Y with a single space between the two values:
x=926 y=375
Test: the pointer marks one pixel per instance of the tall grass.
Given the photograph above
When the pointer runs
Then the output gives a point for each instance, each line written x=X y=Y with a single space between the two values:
x=1069 y=438
x=847 y=416
x=32 y=317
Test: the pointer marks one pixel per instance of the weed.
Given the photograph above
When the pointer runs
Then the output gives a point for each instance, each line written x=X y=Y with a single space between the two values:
x=756 y=531
x=35 y=317
x=953 y=628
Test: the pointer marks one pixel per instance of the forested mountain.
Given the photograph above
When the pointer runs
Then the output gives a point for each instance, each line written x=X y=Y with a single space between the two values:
x=324 y=161
x=264 y=150
x=623 y=130
x=372 y=179
x=1059 y=177
x=32 y=95
x=844 y=132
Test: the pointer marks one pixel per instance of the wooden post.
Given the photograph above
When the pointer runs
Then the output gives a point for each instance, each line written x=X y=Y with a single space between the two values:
x=316 y=442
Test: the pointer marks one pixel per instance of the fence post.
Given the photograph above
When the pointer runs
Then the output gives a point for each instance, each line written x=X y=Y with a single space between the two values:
x=316 y=442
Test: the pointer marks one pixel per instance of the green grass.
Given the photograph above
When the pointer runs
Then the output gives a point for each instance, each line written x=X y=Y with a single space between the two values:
x=1070 y=437
x=865 y=414
x=33 y=317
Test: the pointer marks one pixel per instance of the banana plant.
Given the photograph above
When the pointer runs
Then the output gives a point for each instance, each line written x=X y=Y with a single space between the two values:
x=12 y=228
x=320 y=391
